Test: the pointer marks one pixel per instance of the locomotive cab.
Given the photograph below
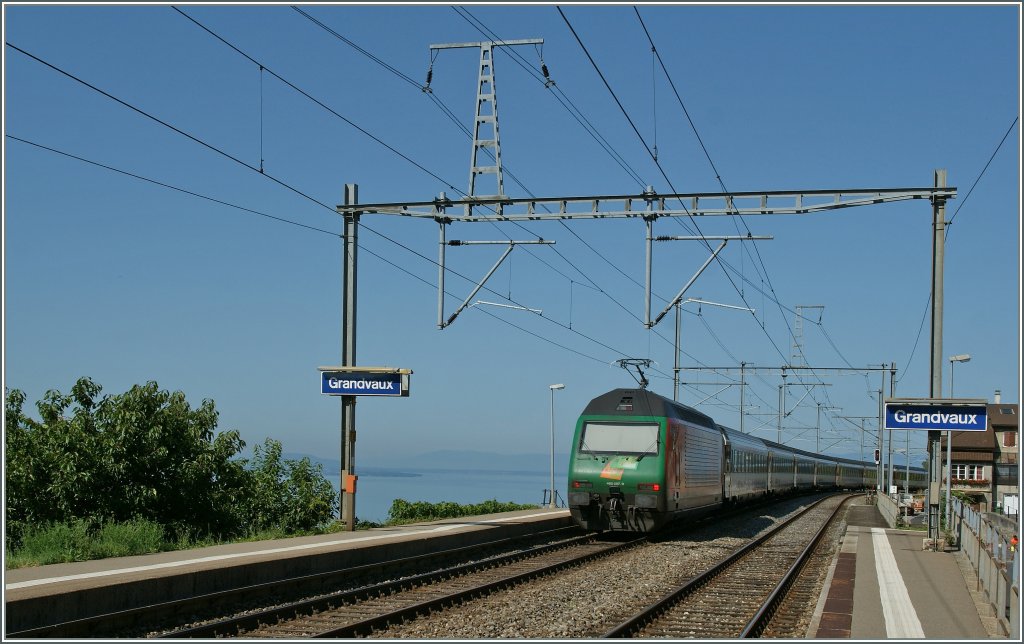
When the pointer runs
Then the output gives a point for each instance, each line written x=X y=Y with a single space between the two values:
x=616 y=475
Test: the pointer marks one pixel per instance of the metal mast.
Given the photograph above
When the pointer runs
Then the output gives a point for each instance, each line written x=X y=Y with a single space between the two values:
x=797 y=356
x=487 y=117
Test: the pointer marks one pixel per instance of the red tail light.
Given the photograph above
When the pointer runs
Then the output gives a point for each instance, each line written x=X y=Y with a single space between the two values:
x=579 y=484
x=648 y=487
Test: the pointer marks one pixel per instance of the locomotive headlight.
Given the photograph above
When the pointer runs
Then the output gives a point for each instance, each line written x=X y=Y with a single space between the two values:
x=646 y=501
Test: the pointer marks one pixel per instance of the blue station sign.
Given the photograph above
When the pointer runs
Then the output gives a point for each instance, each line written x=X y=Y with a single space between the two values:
x=362 y=383
x=936 y=416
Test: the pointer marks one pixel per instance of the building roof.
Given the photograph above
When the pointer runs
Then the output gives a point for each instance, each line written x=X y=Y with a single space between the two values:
x=972 y=441
x=968 y=446
x=1002 y=417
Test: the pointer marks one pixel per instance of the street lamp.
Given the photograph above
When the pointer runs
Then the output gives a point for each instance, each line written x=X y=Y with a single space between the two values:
x=963 y=357
x=551 y=499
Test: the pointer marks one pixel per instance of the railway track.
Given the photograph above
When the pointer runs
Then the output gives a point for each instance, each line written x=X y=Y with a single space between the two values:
x=435 y=598
x=739 y=596
x=360 y=612
x=154 y=619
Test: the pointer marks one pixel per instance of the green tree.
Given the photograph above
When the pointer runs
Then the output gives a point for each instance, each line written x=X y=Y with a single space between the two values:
x=289 y=494
x=147 y=454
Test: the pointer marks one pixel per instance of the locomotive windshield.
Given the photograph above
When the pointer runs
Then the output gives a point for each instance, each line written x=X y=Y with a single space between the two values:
x=619 y=438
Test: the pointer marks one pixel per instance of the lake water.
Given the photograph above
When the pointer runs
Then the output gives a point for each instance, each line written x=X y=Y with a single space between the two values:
x=378 y=487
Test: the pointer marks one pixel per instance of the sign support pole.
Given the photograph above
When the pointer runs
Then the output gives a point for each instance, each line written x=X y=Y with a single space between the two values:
x=348 y=359
x=935 y=388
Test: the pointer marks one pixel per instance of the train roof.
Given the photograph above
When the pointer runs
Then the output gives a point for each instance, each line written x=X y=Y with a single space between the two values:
x=738 y=438
x=640 y=402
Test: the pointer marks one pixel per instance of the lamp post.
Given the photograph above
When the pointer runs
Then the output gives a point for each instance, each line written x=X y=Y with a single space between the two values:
x=551 y=499
x=963 y=357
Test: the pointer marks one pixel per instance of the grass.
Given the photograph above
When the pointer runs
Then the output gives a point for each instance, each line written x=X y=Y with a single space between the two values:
x=80 y=541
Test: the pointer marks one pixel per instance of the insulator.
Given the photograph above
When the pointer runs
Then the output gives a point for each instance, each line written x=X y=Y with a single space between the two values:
x=430 y=75
x=544 y=70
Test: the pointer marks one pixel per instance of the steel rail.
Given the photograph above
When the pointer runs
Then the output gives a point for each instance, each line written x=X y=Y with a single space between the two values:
x=755 y=627
x=230 y=626
x=412 y=611
x=92 y=625
x=639 y=620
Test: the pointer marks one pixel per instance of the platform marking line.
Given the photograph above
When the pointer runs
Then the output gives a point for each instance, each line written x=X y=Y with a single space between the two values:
x=900 y=617
x=307 y=546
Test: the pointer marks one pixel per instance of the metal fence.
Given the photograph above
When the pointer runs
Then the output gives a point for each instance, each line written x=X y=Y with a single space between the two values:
x=986 y=540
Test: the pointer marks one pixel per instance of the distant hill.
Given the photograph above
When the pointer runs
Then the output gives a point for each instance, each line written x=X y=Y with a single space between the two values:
x=446 y=460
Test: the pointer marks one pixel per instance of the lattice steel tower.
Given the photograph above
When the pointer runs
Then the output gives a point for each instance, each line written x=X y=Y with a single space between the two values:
x=485 y=121
x=796 y=358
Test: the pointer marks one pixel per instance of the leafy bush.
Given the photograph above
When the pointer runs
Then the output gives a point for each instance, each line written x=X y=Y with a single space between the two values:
x=290 y=495
x=147 y=456
x=403 y=511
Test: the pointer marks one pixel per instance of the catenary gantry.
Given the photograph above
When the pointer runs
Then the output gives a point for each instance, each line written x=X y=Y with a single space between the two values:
x=649 y=204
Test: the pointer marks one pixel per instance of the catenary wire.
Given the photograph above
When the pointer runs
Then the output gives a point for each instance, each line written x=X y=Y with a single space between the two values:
x=362 y=247
x=171 y=187
x=928 y=302
x=250 y=166
x=465 y=130
x=718 y=177
x=665 y=176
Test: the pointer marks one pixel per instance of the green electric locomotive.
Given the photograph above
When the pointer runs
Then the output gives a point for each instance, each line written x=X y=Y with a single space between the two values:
x=640 y=460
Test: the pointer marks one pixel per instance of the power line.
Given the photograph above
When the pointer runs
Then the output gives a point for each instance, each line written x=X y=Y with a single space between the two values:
x=558 y=94
x=255 y=169
x=362 y=247
x=315 y=100
x=466 y=131
x=693 y=125
x=171 y=187
x=665 y=176
x=160 y=121
x=450 y=114
x=928 y=302
x=721 y=182
x=982 y=173
x=364 y=52
x=587 y=125
x=288 y=83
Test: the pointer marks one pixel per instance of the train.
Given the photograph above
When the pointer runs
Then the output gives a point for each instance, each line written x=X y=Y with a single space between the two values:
x=640 y=461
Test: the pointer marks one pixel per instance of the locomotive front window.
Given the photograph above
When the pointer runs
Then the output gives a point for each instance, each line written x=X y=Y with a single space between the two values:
x=619 y=438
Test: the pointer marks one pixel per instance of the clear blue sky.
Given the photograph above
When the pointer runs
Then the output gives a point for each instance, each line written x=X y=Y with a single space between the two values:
x=125 y=281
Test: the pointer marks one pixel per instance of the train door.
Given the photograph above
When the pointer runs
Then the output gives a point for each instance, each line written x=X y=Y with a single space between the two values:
x=674 y=466
x=727 y=469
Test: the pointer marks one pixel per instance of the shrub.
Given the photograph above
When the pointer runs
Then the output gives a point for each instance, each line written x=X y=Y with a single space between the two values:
x=403 y=511
x=145 y=454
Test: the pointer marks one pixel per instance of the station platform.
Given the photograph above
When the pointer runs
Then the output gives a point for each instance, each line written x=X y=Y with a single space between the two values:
x=32 y=596
x=883 y=585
